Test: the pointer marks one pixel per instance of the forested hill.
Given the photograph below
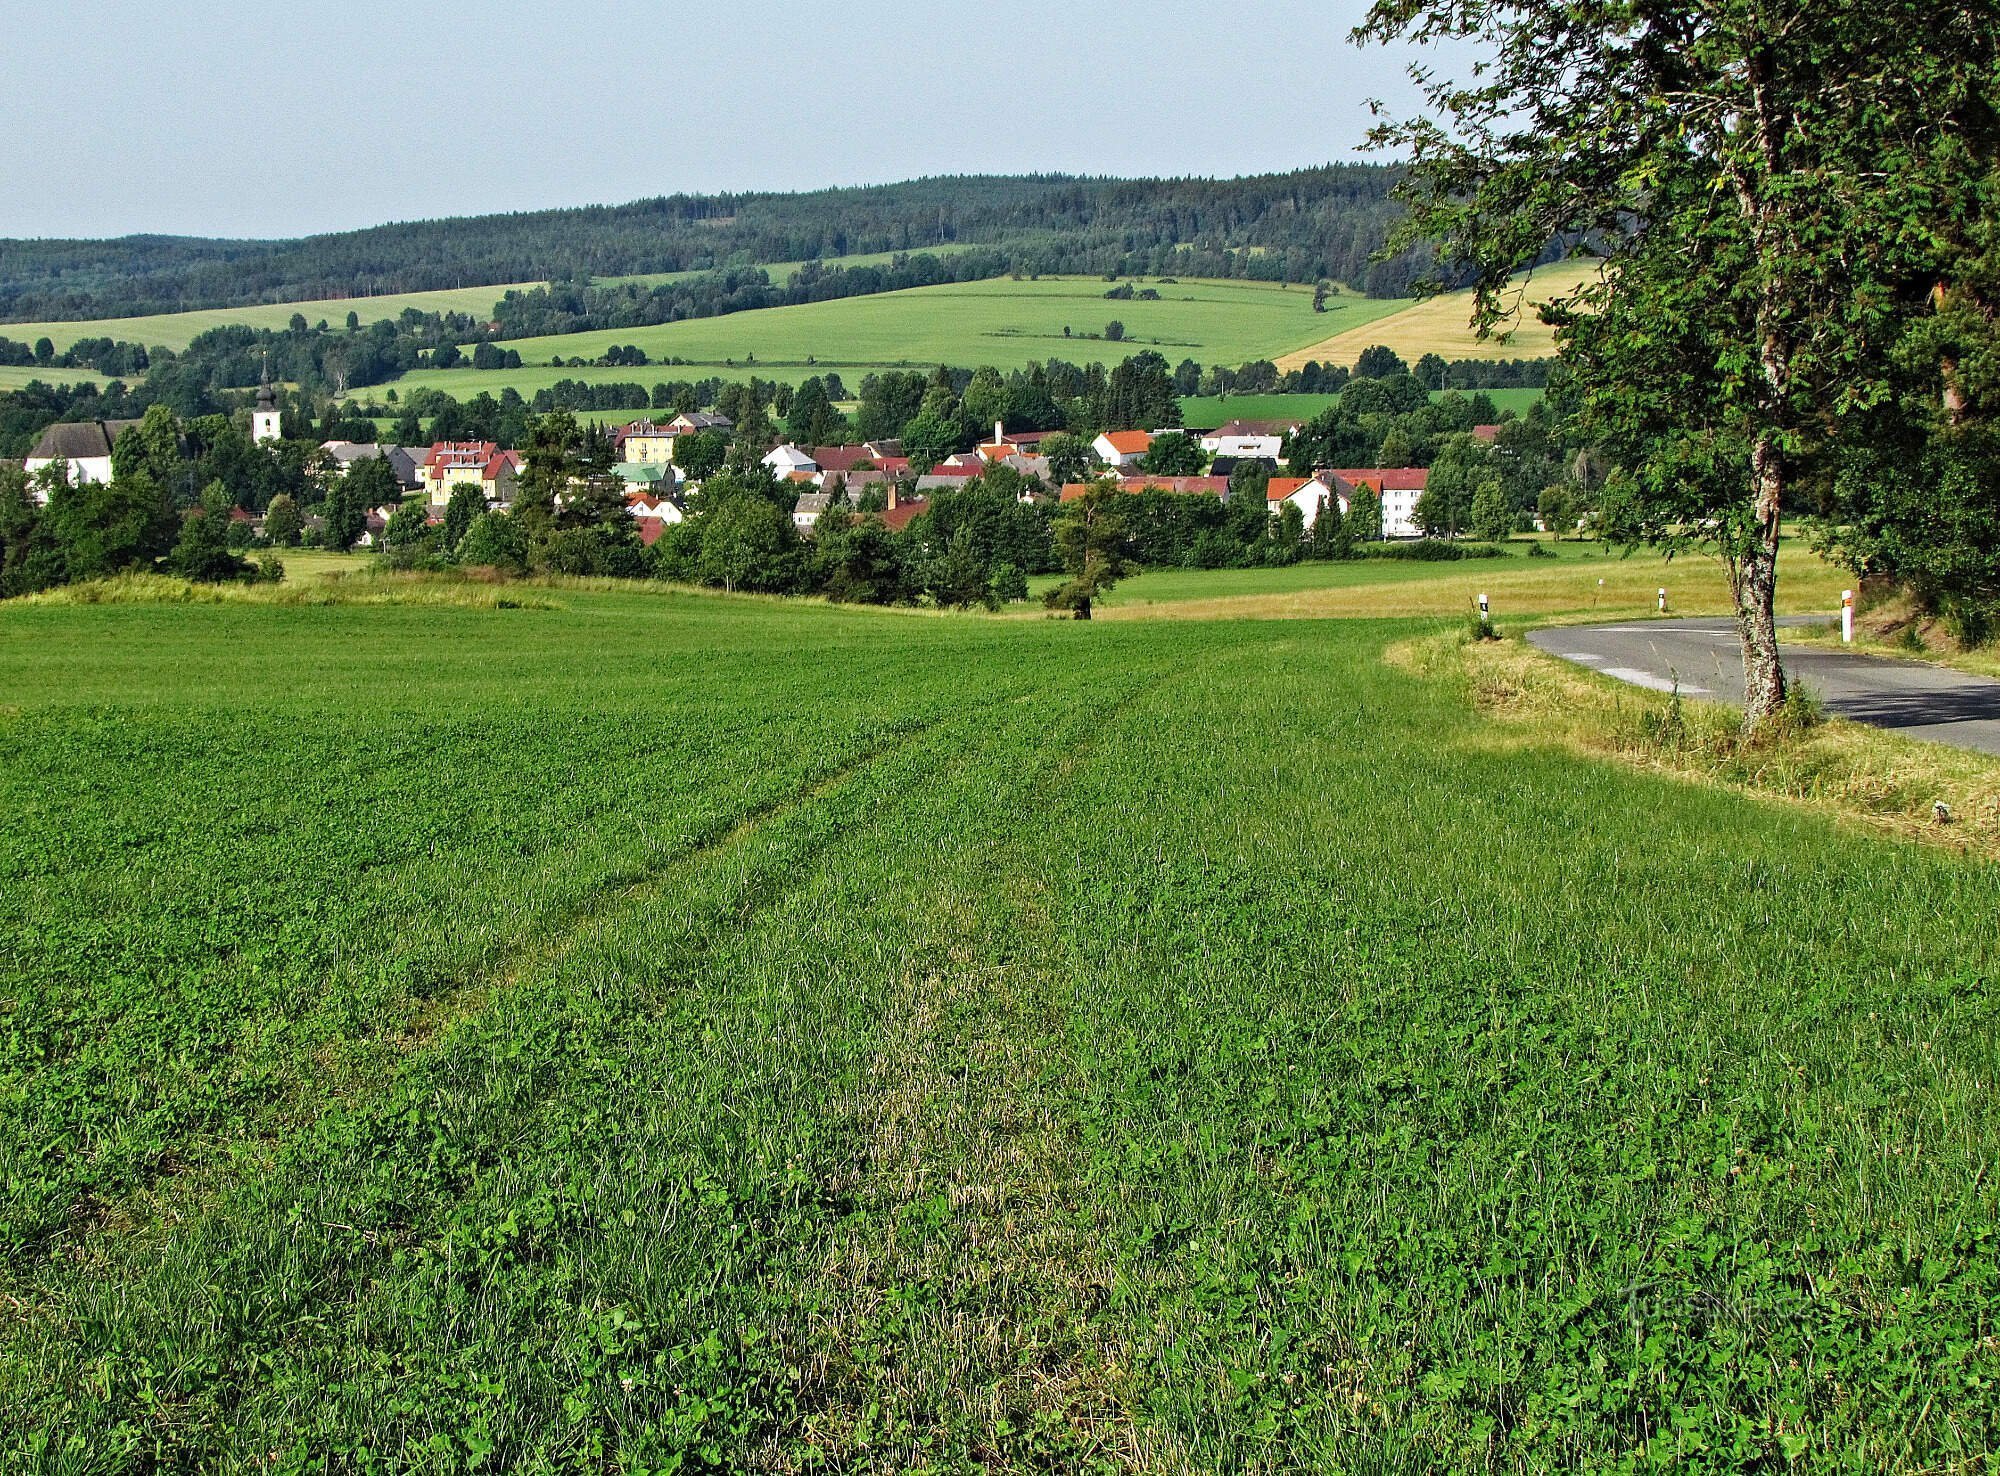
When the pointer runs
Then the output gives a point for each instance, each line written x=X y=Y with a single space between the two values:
x=1296 y=227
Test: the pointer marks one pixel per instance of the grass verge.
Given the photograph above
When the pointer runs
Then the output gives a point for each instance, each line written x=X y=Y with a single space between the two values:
x=1885 y=782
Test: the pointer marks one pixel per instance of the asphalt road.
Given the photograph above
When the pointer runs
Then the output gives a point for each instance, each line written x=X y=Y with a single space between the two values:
x=1702 y=657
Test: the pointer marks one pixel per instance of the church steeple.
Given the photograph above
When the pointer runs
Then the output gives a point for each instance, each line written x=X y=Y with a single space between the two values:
x=264 y=423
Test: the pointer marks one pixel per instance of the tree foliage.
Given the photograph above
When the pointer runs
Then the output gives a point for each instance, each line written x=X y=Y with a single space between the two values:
x=1774 y=186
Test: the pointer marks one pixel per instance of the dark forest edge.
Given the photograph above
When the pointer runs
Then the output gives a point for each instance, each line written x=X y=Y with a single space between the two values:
x=1300 y=226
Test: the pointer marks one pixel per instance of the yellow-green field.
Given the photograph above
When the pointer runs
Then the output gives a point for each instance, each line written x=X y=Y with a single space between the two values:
x=178 y=330
x=1442 y=326
x=1003 y=322
x=19 y=376
x=782 y=272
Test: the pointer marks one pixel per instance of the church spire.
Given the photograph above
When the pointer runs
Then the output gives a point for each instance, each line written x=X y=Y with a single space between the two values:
x=265 y=423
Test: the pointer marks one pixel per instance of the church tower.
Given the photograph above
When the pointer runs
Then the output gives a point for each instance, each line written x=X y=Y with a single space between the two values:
x=264 y=420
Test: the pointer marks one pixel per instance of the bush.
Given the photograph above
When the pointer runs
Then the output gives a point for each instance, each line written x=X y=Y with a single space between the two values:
x=1539 y=551
x=1432 y=551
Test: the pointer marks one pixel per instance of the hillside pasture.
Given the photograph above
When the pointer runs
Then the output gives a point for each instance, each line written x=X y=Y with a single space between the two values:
x=178 y=330
x=782 y=272
x=1205 y=412
x=20 y=376
x=1442 y=326
x=1003 y=322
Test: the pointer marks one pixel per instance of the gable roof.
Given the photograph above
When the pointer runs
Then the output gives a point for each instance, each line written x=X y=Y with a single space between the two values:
x=1128 y=443
x=1390 y=479
x=78 y=440
x=1253 y=428
x=1189 y=486
x=899 y=517
x=840 y=458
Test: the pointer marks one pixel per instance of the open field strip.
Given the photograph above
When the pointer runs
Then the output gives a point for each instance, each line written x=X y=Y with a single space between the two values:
x=1205 y=412
x=1562 y=589
x=782 y=272
x=657 y=1029
x=178 y=330
x=1442 y=326
x=19 y=376
x=1002 y=322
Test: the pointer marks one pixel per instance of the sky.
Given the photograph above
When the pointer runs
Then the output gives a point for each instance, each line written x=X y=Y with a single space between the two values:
x=276 y=119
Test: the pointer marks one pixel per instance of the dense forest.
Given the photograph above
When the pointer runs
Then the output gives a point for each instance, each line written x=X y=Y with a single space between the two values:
x=1312 y=223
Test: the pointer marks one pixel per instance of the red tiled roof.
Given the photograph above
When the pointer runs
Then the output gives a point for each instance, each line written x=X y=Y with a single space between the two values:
x=903 y=514
x=1486 y=433
x=838 y=458
x=1129 y=443
x=650 y=529
x=1189 y=486
x=1254 y=428
x=1390 y=479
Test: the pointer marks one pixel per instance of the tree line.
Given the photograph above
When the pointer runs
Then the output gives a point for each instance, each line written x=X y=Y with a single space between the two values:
x=1303 y=226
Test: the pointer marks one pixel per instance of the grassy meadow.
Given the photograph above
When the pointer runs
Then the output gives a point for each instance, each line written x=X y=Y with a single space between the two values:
x=1205 y=412
x=783 y=271
x=20 y=376
x=1582 y=581
x=1002 y=322
x=1442 y=326
x=645 y=1030
x=178 y=330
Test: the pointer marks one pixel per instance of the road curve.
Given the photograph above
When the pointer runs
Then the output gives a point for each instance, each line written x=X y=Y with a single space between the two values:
x=1701 y=657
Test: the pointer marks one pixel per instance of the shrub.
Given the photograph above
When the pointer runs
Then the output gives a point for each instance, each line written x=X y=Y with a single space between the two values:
x=1432 y=551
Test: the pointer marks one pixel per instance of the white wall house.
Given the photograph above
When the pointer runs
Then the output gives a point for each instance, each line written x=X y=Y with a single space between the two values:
x=84 y=445
x=787 y=459
x=1308 y=495
x=1398 y=488
x=1122 y=448
x=1245 y=441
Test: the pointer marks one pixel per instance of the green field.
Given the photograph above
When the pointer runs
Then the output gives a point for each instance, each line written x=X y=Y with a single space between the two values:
x=1205 y=412
x=178 y=330
x=20 y=376
x=643 y=1030
x=783 y=271
x=1003 y=322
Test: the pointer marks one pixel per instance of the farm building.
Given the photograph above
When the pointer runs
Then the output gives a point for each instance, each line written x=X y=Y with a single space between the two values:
x=85 y=445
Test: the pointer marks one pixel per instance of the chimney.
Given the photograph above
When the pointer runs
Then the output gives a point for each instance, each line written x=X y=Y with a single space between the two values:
x=999 y=432
x=892 y=496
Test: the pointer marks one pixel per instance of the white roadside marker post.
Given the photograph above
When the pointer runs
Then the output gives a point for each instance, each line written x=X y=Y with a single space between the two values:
x=1663 y=602
x=1847 y=617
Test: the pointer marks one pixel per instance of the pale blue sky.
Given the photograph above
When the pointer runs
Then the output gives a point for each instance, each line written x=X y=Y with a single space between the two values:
x=271 y=118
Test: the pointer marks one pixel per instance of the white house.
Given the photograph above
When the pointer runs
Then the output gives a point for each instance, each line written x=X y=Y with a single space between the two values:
x=84 y=445
x=1247 y=440
x=1308 y=495
x=1122 y=448
x=648 y=505
x=806 y=511
x=787 y=459
x=1398 y=488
